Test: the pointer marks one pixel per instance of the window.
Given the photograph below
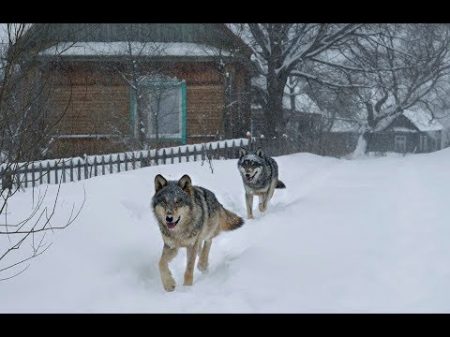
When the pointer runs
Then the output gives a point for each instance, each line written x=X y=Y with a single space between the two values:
x=400 y=143
x=161 y=103
x=423 y=143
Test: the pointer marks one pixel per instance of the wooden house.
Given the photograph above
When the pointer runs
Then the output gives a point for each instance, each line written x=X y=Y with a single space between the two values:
x=413 y=131
x=119 y=86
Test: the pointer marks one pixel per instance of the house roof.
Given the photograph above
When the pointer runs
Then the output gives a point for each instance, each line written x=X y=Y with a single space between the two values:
x=44 y=36
x=423 y=120
x=157 y=49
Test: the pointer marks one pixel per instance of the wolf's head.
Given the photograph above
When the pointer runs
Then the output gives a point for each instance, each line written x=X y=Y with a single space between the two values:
x=251 y=164
x=172 y=202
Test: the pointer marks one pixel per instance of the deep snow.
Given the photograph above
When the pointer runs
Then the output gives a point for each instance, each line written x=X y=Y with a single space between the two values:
x=366 y=235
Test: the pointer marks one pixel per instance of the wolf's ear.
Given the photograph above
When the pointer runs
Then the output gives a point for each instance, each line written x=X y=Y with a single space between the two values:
x=259 y=152
x=185 y=183
x=242 y=152
x=160 y=182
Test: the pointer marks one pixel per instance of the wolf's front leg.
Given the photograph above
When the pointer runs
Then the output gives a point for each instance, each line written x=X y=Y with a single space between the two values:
x=203 y=260
x=249 y=203
x=189 y=273
x=265 y=198
x=166 y=276
x=262 y=202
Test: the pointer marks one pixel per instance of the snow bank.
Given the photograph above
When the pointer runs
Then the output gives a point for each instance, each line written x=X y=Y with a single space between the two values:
x=344 y=236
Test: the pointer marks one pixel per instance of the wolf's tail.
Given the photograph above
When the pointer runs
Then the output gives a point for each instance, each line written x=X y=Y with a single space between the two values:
x=280 y=184
x=230 y=221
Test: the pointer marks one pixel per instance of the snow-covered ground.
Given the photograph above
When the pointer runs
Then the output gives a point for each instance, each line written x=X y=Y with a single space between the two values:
x=367 y=235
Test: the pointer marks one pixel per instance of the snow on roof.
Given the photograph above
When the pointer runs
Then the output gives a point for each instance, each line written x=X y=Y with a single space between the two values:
x=133 y=48
x=423 y=120
x=444 y=120
x=402 y=129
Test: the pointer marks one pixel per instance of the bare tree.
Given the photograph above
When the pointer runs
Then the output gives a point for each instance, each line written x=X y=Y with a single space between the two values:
x=283 y=50
x=396 y=66
x=26 y=130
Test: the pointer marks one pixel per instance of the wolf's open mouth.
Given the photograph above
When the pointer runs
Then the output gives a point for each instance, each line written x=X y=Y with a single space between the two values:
x=172 y=225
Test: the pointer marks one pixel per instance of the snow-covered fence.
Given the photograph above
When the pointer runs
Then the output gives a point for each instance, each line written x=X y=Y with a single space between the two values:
x=79 y=168
x=275 y=146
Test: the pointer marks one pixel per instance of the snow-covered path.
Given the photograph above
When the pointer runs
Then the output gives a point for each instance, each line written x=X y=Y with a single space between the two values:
x=369 y=235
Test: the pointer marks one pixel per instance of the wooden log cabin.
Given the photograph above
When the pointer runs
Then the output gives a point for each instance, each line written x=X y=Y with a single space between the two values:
x=118 y=87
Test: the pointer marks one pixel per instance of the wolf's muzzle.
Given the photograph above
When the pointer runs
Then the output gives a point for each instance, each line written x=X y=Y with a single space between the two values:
x=249 y=177
x=169 y=222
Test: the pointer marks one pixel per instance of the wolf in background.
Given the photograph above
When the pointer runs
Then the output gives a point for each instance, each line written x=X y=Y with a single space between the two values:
x=188 y=216
x=260 y=176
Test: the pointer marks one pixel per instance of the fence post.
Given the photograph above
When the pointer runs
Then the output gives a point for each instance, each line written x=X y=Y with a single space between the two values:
x=179 y=154
x=103 y=165
x=133 y=160
x=187 y=154
x=110 y=164
x=164 y=156
x=195 y=153
x=64 y=171
x=71 y=169
x=149 y=158
x=233 y=149
x=210 y=153
x=156 y=157
x=171 y=156
x=48 y=172
x=55 y=167
x=118 y=162
x=79 y=168
x=86 y=168
x=40 y=173
x=26 y=175
x=33 y=183
x=126 y=161
x=226 y=151
x=95 y=166
x=141 y=159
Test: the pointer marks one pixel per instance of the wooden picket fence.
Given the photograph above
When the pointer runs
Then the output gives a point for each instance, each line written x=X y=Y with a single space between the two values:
x=79 y=168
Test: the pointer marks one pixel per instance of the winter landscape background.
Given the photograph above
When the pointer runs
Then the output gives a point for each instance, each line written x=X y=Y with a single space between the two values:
x=357 y=115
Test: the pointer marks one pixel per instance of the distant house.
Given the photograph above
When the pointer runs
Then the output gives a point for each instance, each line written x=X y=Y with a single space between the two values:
x=192 y=78
x=413 y=131
x=341 y=138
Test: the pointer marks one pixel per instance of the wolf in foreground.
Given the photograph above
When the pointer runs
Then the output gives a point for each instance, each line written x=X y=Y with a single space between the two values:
x=188 y=216
x=260 y=177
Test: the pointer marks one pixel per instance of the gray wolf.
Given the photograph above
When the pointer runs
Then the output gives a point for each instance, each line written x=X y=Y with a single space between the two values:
x=260 y=176
x=188 y=216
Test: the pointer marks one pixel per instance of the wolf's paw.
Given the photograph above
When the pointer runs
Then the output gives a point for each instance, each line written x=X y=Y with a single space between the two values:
x=169 y=284
x=250 y=216
x=203 y=267
x=188 y=280
x=262 y=208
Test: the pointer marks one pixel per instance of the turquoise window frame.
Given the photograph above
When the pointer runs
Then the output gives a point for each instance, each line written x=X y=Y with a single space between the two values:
x=169 y=84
